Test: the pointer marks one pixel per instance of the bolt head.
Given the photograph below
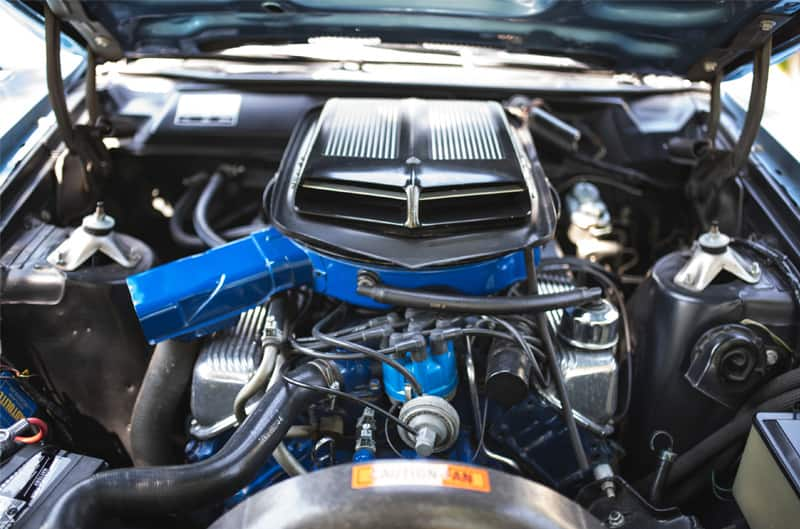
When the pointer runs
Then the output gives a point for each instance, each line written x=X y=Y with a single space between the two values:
x=709 y=66
x=767 y=25
x=615 y=520
x=102 y=41
x=609 y=488
x=772 y=357
x=425 y=442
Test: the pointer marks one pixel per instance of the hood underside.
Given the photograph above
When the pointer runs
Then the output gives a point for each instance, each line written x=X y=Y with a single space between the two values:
x=678 y=37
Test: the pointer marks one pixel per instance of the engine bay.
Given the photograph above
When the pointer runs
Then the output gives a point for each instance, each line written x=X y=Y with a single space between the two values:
x=504 y=304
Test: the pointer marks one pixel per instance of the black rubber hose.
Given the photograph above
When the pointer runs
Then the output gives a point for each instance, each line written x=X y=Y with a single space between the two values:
x=162 y=490
x=162 y=389
x=781 y=384
x=701 y=479
x=200 y=219
x=181 y=212
x=471 y=304
x=717 y=442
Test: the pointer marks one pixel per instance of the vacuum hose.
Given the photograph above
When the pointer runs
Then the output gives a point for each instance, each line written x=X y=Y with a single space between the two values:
x=161 y=490
x=184 y=208
x=200 y=218
x=368 y=286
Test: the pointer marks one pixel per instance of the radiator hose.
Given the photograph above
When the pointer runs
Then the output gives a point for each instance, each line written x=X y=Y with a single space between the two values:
x=153 y=491
x=153 y=417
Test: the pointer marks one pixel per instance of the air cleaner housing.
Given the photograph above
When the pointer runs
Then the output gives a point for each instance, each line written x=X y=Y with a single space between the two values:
x=412 y=182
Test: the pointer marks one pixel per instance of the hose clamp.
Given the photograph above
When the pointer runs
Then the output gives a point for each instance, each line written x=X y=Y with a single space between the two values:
x=329 y=371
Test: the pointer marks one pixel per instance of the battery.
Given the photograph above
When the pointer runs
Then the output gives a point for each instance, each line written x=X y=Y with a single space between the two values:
x=34 y=479
x=767 y=485
x=15 y=404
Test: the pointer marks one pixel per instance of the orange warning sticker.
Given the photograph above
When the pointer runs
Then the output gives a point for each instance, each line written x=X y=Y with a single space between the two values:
x=398 y=474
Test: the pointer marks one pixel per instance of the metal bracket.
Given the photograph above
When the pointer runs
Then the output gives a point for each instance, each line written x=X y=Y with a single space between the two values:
x=98 y=38
x=94 y=235
x=722 y=60
x=711 y=256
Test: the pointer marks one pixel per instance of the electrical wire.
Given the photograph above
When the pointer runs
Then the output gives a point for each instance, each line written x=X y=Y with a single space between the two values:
x=41 y=432
x=538 y=374
x=479 y=419
x=309 y=350
x=353 y=332
x=348 y=396
x=324 y=355
x=556 y=198
x=368 y=352
x=474 y=399
x=482 y=419
x=387 y=433
x=494 y=455
x=782 y=262
x=533 y=341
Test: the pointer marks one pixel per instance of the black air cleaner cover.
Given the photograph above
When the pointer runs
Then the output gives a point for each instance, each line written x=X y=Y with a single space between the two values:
x=410 y=182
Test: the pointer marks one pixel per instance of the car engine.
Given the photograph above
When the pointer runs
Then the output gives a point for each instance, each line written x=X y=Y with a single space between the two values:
x=424 y=308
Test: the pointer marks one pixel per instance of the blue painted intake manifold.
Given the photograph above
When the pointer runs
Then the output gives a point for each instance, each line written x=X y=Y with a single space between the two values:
x=200 y=294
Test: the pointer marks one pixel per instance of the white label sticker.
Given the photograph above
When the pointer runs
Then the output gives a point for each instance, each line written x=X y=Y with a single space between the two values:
x=208 y=110
x=417 y=474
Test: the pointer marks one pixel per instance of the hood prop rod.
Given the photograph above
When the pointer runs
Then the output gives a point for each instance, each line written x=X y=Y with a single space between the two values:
x=708 y=180
x=84 y=141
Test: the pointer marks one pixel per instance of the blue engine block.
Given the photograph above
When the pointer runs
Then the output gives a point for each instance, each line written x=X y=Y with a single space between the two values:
x=196 y=295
